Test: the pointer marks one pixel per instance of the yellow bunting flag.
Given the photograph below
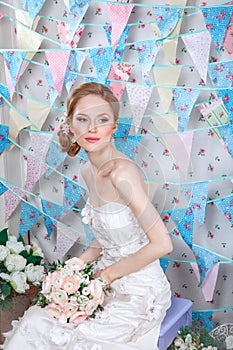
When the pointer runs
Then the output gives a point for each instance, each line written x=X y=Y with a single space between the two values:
x=37 y=113
x=17 y=123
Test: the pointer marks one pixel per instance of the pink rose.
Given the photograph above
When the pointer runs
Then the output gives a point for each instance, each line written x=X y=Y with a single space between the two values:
x=70 y=285
x=57 y=279
x=70 y=308
x=54 y=310
x=59 y=296
x=78 y=317
x=96 y=288
x=47 y=284
x=75 y=264
x=91 y=306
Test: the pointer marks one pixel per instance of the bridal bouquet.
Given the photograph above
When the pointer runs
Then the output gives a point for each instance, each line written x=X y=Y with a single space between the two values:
x=20 y=267
x=71 y=291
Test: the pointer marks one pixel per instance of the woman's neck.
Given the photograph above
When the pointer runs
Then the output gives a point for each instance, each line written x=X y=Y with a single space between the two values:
x=101 y=160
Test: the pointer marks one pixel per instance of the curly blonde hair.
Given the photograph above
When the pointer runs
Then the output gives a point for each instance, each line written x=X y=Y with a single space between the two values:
x=85 y=89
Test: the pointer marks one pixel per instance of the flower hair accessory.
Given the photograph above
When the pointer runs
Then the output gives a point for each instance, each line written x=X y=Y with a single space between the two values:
x=64 y=126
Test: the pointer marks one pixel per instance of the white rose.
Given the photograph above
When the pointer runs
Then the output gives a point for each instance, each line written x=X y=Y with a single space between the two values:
x=18 y=281
x=178 y=342
x=5 y=276
x=4 y=251
x=61 y=336
x=14 y=246
x=34 y=273
x=15 y=262
x=37 y=251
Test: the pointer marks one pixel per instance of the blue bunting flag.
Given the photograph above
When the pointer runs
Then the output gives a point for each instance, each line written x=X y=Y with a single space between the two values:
x=184 y=101
x=73 y=68
x=108 y=32
x=196 y=194
x=13 y=61
x=3 y=188
x=216 y=20
x=221 y=74
x=227 y=137
x=226 y=207
x=184 y=219
x=205 y=318
x=76 y=12
x=164 y=263
x=227 y=98
x=4 y=140
x=72 y=193
x=34 y=8
x=52 y=213
x=52 y=89
x=147 y=52
x=4 y=94
x=205 y=260
x=54 y=157
x=166 y=18
x=119 y=50
x=102 y=59
x=28 y=217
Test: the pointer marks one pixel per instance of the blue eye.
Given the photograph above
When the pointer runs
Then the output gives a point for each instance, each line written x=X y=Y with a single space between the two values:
x=82 y=120
x=103 y=120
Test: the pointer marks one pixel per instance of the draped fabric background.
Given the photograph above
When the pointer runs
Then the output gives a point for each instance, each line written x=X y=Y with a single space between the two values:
x=170 y=65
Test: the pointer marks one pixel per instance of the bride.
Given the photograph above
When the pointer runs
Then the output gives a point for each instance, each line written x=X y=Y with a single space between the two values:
x=130 y=237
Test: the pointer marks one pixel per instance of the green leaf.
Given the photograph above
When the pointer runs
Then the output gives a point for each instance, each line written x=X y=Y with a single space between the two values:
x=6 y=304
x=3 y=236
x=24 y=253
x=6 y=289
x=34 y=259
x=20 y=239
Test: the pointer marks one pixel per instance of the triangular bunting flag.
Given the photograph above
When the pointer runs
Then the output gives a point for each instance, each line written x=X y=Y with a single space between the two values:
x=120 y=48
x=119 y=15
x=227 y=137
x=228 y=42
x=57 y=63
x=4 y=140
x=17 y=123
x=198 y=46
x=108 y=32
x=52 y=214
x=166 y=18
x=119 y=71
x=3 y=188
x=166 y=77
x=12 y=198
x=28 y=217
x=9 y=83
x=196 y=194
x=75 y=13
x=36 y=165
x=164 y=263
x=51 y=86
x=34 y=8
x=66 y=238
x=216 y=20
x=54 y=157
x=128 y=145
x=139 y=97
x=37 y=112
x=227 y=98
x=13 y=61
x=205 y=260
x=4 y=94
x=184 y=101
x=73 y=68
x=101 y=58
x=205 y=318
x=221 y=74
x=226 y=207
x=147 y=51
x=184 y=219
x=72 y=193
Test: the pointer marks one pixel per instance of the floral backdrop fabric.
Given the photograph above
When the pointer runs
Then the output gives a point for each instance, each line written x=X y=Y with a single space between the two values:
x=170 y=65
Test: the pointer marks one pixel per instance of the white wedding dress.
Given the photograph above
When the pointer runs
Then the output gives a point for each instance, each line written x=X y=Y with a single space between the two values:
x=137 y=303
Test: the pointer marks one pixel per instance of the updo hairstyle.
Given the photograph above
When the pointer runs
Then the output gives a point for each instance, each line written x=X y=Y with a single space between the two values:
x=66 y=139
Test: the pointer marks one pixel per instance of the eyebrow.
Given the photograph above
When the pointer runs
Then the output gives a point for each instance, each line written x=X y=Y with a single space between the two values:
x=86 y=115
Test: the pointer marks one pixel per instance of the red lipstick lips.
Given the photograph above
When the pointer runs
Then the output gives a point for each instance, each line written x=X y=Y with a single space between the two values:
x=92 y=139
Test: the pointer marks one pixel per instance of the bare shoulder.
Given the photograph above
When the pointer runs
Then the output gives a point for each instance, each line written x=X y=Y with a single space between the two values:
x=125 y=169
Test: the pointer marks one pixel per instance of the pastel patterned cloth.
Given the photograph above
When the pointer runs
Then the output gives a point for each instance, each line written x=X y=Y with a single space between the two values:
x=136 y=304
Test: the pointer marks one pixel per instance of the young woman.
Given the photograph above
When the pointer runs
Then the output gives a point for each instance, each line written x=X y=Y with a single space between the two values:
x=130 y=237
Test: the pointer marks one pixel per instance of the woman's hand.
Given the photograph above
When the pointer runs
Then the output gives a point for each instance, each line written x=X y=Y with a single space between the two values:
x=104 y=275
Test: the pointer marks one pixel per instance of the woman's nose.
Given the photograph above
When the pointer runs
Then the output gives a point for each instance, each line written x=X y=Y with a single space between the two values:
x=92 y=127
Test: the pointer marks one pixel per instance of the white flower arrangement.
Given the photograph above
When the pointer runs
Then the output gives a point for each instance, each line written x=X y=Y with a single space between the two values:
x=70 y=291
x=20 y=267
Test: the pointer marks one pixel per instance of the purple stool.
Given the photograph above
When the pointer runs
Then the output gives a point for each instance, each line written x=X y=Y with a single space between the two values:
x=178 y=315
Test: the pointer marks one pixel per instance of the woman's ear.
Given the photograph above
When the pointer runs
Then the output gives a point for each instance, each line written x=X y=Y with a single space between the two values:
x=115 y=126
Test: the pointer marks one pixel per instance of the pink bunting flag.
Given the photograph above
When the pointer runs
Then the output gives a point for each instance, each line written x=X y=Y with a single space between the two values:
x=121 y=72
x=12 y=199
x=209 y=283
x=198 y=46
x=36 y=163
x=228 y=40
x=66 y=238
x=138 y=97
x=119 y=15
x=9 y=82
x=58 y=62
